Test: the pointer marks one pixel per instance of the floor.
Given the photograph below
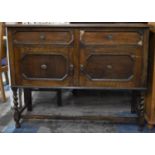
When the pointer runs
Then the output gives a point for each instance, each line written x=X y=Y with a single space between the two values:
x=85 y=103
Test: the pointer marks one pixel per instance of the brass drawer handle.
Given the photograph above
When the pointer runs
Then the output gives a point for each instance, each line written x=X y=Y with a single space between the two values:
x=110 y=37
x=44 y=67
x=82 y=68
x=109 y=66
x=71 y=69
x=42 y=37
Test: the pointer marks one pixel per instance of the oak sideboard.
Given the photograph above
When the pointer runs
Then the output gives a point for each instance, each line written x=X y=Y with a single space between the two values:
x=105 y=56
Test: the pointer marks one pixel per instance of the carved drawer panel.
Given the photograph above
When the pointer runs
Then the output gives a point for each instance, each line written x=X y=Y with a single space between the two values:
x=39 y=66
x=99 y=37
x=111 y=67
x=50 y=36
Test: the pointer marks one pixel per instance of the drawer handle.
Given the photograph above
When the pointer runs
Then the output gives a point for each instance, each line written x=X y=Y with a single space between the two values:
x=109 y=66
x=44 y=67
x=82 y=68
x=109 y=37
x=71 y=69
x=42 y=37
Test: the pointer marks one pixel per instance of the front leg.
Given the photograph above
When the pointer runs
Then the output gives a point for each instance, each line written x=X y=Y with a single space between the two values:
x=16 y=108
x=140 y=110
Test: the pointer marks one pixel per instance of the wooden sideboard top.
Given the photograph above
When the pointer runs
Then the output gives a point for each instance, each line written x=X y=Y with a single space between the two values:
x=82 y=25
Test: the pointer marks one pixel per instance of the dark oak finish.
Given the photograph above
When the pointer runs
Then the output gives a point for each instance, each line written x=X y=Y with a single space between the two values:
x=80 y=56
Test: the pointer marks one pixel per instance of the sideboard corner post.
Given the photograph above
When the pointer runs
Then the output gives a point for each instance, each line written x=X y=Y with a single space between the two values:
x=16 y=107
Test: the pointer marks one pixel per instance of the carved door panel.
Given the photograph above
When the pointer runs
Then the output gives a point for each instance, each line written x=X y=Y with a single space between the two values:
x=111 y=67
x=44 y=66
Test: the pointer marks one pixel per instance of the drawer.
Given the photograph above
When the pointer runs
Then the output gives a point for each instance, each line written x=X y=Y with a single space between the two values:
x=110 y=38
x=64 y=37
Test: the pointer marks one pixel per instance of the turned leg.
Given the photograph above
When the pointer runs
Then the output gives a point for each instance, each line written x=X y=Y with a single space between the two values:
x=16 y=108
x=28 y=98
x=140 y=110
x=20 y=98
x=134 y=102
x=59 y=97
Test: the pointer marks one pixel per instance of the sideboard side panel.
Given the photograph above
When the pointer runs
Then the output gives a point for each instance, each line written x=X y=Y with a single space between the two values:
x=150 y=100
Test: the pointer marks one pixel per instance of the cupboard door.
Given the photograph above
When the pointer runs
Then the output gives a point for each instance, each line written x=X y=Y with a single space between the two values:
x=111 y=67
x=43 y=66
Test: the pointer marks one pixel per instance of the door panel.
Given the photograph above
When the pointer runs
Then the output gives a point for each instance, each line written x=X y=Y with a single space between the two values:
x=44 y=66
x=111 y=67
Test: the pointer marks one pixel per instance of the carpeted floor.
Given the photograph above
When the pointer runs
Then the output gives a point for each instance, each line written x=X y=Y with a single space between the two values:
x=92 y=103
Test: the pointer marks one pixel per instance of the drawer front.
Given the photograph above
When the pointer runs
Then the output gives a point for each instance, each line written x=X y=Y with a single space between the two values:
x=44 y=36
x=111 y=67
x=43 y=66
x=99 y=37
